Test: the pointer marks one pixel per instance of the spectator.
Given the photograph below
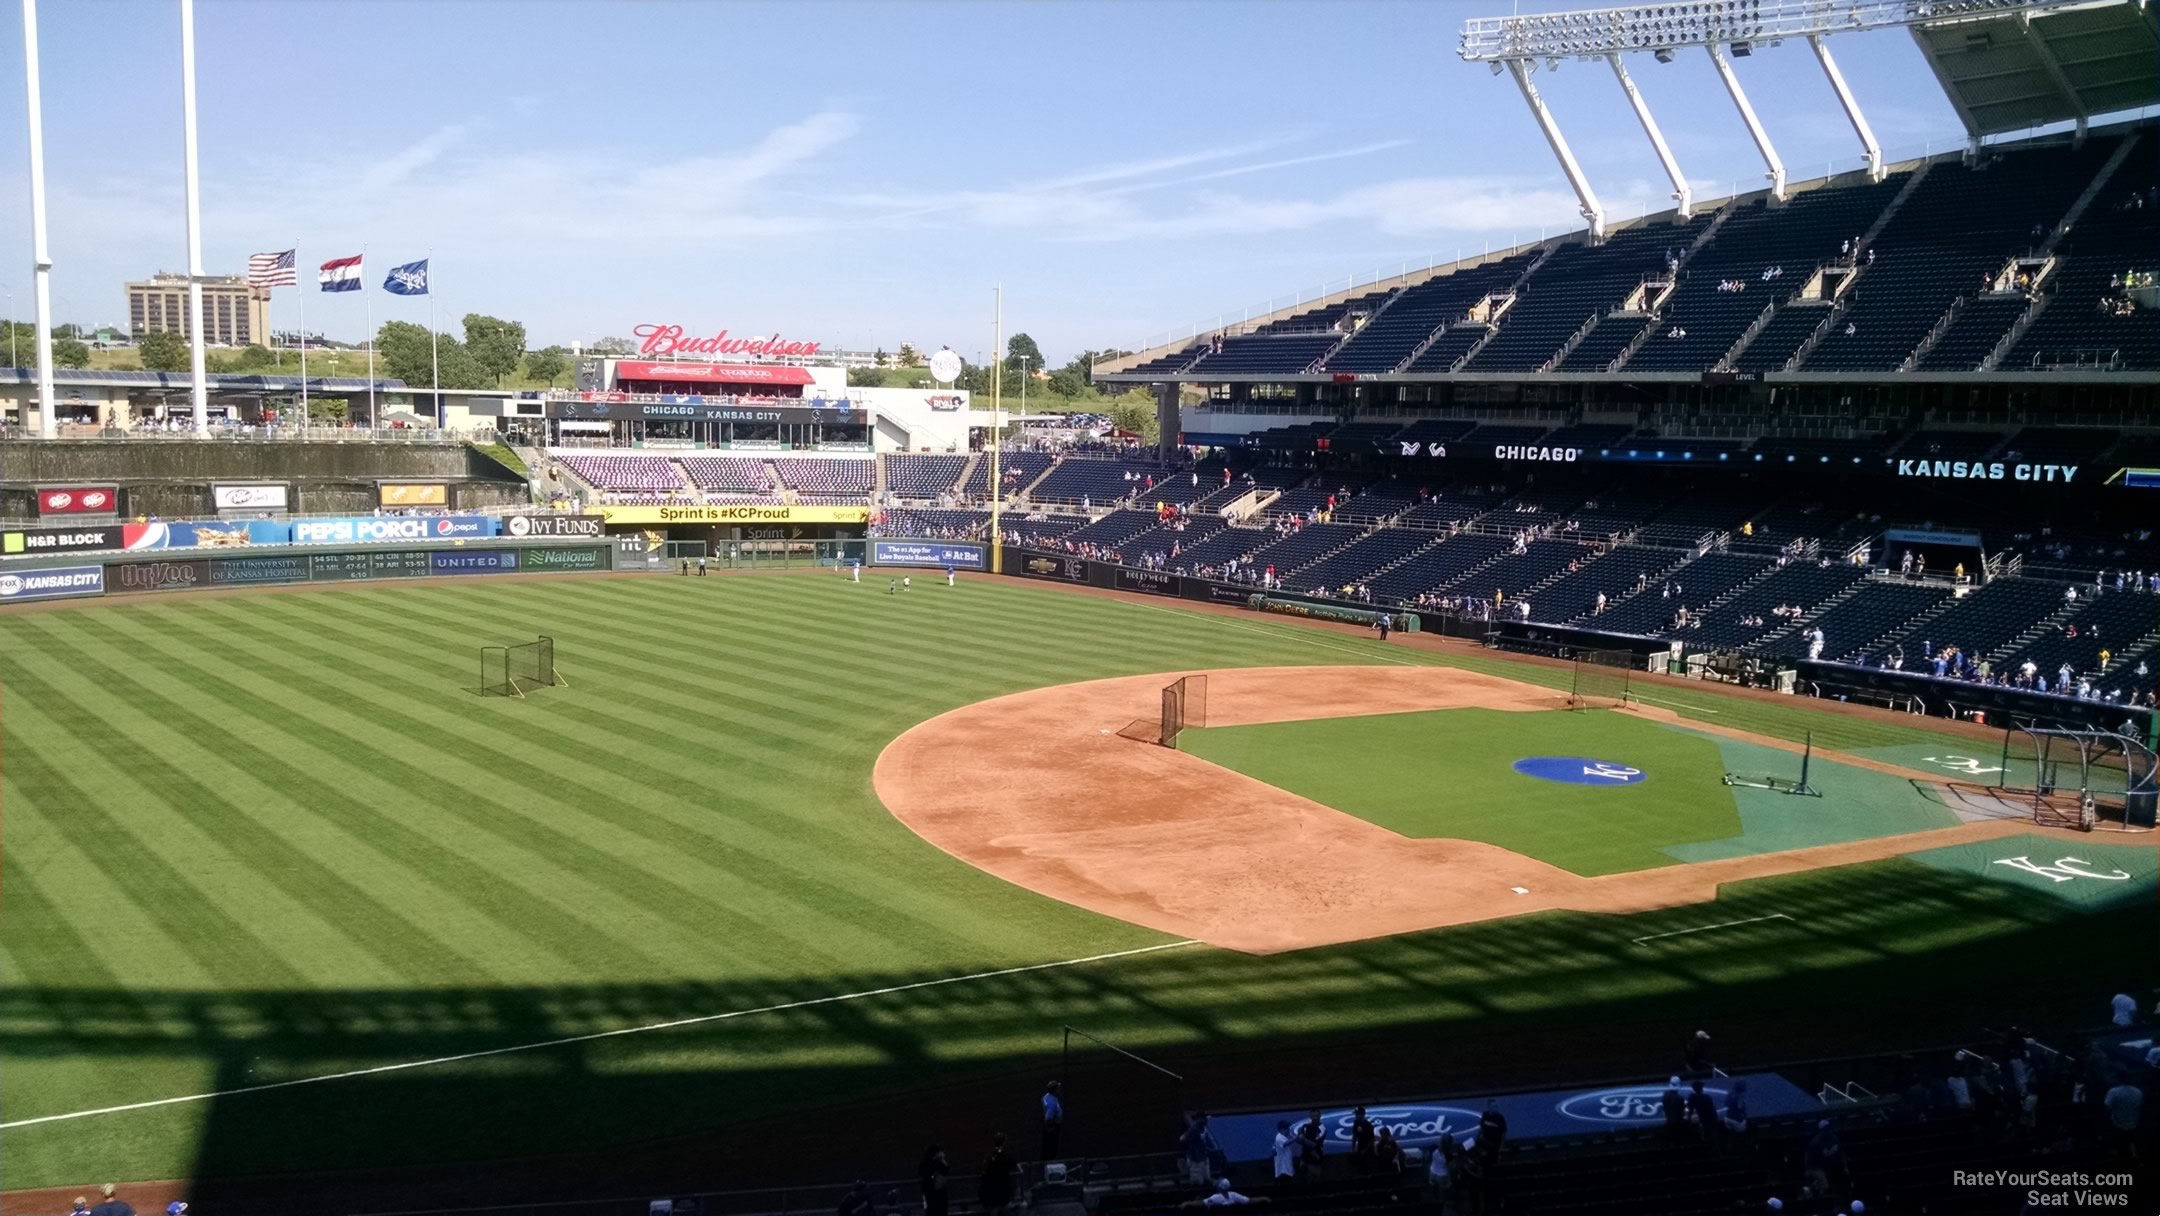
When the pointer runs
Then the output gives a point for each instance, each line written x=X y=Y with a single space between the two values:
x=1674 y=1104
x=1361 y=1141
x=1387 y=1153
x=1199 y=1146
x=935 y=1175
x=994 y=1189
x=1824 y=1159
x=1697 y=1054
x=1286 y=1152
x=1736 y=1119
x=1224 y=1197
x=1053 y=1120
x=1312 y=1148
x=2125 y=1008
x=1703 y=1111
x=2125 y=1104
x=1440 y=1169
x=112 y=1204
x=857 y=1201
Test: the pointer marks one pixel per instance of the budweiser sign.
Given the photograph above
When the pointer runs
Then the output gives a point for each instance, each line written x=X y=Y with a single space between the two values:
x=670 y=340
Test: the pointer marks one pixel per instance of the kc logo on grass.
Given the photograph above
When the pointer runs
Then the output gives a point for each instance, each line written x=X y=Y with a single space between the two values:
x=1579 y=770
x=2065 y=869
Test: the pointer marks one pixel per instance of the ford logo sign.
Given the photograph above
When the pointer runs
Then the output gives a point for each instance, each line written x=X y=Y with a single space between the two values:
x=1413 y=1126
x=1624 y=1106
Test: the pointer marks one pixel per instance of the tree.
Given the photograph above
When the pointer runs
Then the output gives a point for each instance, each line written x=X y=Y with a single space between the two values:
x=161 y=351
x=332 y=410
x=68 y=330
x=1066 y=382
x=865 y=377
x=1022 y=356
x=248 y=359
x=612 y=346
x=67 y=352
x=880 y=359
x=403 y=350
x=1138 y=416
x=909 y=356
x=547 y=363
x=495 y=345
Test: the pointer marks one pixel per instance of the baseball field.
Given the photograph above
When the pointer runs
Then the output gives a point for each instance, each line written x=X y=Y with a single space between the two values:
x=279 y=892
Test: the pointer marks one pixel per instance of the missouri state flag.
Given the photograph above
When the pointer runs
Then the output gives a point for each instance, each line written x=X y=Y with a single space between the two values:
x=340 y=274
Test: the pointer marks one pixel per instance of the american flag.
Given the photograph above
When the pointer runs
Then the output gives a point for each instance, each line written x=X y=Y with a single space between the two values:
x=273 y=270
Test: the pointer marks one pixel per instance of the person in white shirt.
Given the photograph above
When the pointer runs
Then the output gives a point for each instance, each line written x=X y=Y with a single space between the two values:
x=2125 y=1007
x=1286 y=1152
x=1224 y=1197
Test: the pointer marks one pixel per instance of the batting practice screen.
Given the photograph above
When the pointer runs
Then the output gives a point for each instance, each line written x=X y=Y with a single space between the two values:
x=1601 y=679
x=507 y=671
x=1183 y=704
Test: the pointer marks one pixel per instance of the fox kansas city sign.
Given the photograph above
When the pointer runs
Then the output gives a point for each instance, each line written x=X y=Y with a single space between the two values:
x=1981 y=470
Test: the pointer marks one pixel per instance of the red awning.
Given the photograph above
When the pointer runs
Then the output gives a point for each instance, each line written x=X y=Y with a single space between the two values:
x=713 y=373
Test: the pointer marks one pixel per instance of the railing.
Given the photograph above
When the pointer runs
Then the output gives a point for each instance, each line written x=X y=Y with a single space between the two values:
x=265 y=434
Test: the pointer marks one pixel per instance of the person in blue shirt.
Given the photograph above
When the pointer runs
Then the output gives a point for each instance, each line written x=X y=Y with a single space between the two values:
x=1053 y=1112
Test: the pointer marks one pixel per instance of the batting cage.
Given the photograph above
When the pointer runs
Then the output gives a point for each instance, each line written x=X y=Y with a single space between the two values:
x=507 y=671
x=1601 y=679
x=2083 y=779
x=1183 y=704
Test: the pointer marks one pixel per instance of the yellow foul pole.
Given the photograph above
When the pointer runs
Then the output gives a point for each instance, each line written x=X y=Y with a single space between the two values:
x=997 y=418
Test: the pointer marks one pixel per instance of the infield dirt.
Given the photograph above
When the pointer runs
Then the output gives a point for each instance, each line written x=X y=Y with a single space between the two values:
x=1040 y=789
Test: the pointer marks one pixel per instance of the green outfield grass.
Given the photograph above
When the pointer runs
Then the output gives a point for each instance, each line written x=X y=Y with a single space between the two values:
x=1449 y=774
x=269 y=838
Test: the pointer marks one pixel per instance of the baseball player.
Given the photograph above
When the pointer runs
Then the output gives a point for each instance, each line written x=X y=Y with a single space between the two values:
x=892 y=586
x=907 y=582
x=856 y=569
x=701 y=567
x=948 y=576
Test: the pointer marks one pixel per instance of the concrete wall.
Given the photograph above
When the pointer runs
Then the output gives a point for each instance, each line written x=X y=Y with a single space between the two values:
x=172 y=478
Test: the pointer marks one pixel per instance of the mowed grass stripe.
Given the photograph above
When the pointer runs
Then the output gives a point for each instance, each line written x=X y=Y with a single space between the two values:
x=207 y=916
x=463 y=841
x=335 y=928
x=299 y=787
x=783 y=877
x=649 y=884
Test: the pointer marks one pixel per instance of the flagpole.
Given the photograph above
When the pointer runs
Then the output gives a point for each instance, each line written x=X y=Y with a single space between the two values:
x=434 y=341
x=302 y=289
x=199 y=382
x=371 y=418
x=40 y=254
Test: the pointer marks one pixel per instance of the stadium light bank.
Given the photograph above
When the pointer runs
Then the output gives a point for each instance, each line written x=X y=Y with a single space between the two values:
x=1517 y=44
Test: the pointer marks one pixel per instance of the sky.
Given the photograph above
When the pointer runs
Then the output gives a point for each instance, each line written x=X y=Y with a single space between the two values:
x=857 y=174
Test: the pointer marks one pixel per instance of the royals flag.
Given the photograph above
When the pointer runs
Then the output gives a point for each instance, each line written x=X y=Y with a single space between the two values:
x=407 y=280
x=273 y=270
x=340 y=274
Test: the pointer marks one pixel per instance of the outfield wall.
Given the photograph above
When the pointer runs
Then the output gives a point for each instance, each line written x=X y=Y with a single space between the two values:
x=118 y=574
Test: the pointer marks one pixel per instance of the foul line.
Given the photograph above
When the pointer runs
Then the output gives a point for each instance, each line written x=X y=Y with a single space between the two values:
x=599 y=1034
x=1706 y=928
x=1693 y=709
